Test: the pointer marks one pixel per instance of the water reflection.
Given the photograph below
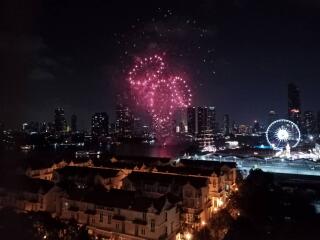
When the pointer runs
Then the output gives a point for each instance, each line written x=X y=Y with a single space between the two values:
x=148 y=150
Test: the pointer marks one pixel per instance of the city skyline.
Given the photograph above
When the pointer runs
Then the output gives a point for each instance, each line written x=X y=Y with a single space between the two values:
x=241 y=68
x=70 y=120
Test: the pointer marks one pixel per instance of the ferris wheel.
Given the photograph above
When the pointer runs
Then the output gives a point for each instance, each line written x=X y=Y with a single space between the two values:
x=283 y=133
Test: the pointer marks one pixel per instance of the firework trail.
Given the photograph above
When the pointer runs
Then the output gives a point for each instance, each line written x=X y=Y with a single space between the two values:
x=158 y=91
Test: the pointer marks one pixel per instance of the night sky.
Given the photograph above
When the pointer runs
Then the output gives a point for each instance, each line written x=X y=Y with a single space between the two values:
x=237 y=55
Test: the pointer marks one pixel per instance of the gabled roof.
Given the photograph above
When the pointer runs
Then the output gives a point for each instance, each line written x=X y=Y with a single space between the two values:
x=122 y=199
x=118 y=164
x=206 y=164
x=143 y=159
x=189 y=170
x=44 y=160
x=87 y=172
x=166 y=179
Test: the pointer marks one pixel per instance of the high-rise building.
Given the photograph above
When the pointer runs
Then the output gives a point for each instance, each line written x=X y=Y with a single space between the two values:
x=206 y=125
x=294 y=104
x=99 y=124
x=192 y=120
x=212 y=123
x=44 y=128
x=206 y=119
x=201 y=123
x=60 y=123
x=137 y=127
x=244 y=129
x=30 y=127
x=47 y=127
x=256 y=127
x=113 y=129
x=201 y=119
x=226 y=125
x=74 y=123
x=235 y=128
x=124 y=121
x=183 y=127
x=124 y=116
x=309 y=123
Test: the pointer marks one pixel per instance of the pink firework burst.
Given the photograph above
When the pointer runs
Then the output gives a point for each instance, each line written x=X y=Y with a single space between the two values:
x=158 y=91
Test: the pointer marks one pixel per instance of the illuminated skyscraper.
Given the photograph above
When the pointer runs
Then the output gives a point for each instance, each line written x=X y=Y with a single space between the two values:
x=206 y=119
x=60 y=123
x=124 y=121
x=201 y=124
x=99 y=124
x=201 y=119
x=294 y=104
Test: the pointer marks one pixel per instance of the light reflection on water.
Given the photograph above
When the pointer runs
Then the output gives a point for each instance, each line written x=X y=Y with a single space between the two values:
x=149 y=150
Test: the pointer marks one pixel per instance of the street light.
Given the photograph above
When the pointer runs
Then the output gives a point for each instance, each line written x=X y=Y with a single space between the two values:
x=220 y=202
x=188 y=236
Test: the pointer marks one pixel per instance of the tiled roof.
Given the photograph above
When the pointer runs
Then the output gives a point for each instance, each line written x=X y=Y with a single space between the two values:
x=205 y=164
x=119 y=199
x=166 y=179
x=189 y=170
x=119 y=164
x=87 y=172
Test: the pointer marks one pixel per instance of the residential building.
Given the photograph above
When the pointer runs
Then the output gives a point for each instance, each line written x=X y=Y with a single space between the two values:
x=60 y=123
x=99 y=124
x=27 y=194
x=119 y=214
x=84 y=177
